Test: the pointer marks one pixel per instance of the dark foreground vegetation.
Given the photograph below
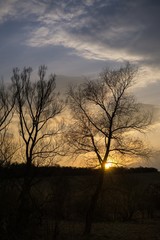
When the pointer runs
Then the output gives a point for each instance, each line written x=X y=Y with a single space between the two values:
x=18 y=170
x=128 y=206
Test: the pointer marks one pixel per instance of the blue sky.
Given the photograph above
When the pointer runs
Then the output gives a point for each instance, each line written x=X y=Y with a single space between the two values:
x=81 y=37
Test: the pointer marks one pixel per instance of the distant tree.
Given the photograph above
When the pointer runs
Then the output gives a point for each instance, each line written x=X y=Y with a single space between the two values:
x=37 y=107
x=8 y=148
x=105 y=117
x=7 y=100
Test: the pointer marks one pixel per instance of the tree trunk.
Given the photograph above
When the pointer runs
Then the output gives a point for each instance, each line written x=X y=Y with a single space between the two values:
x=25 y=202
x=93 y=204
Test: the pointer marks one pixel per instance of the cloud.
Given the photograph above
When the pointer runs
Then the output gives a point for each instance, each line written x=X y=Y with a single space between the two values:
x=85 y=34
x=17 y=9
x=7 y=9
x=43 y=36
x=93 y=29
x=149 y=93
x=110 y=29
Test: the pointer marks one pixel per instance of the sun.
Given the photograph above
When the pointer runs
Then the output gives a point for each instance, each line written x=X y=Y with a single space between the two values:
x=108 y=165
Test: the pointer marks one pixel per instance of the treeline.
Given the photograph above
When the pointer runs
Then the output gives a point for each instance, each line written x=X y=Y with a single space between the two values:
x=18 y=170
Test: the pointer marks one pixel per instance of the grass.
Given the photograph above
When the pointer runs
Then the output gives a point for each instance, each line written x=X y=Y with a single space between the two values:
x=144 y=230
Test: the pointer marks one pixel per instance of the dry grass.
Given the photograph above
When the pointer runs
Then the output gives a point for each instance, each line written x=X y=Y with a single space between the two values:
x=146 y=230
x=149 y=230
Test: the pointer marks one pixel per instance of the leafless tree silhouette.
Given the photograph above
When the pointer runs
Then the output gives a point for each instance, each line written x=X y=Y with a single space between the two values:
x=105 y=115
x=8 y=147
x=37 y=107
x=7 y=100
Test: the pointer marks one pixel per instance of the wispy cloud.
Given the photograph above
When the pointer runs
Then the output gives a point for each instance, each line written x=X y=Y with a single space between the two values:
x=82 y=28
x=83 y=46
x=93 y=29
x=17 y=9
x=7 y=9
x=110 y=29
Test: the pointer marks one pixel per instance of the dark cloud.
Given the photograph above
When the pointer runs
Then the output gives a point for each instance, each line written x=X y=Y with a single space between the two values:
x=130 y=26
x=93 y=29
x=119 y=25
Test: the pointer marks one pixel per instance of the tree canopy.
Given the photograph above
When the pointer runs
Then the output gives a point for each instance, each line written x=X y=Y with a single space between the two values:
x=106 y=116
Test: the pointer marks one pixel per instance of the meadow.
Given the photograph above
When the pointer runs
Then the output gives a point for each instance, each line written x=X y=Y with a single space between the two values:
x=128 y=207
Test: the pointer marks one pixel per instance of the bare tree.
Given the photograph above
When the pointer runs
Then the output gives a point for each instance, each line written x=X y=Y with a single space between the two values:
x=6 y=106
x=7 y=101
x=37 y=107
x=105 y=117
x=8 y=148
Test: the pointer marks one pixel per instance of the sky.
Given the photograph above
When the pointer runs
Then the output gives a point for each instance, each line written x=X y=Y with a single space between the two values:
x=77 y=38
x=80 y=37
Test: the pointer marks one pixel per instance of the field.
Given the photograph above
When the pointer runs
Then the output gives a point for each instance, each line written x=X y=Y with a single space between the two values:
x=128 y=207
x=144 y=230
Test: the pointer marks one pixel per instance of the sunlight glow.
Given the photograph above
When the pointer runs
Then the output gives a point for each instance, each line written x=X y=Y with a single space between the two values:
x=108 y=165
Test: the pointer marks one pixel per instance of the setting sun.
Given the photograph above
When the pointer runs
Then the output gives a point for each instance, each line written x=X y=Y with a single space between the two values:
x=108 y=165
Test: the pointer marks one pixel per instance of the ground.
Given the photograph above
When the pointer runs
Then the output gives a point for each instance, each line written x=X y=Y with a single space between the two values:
x=144 y=230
